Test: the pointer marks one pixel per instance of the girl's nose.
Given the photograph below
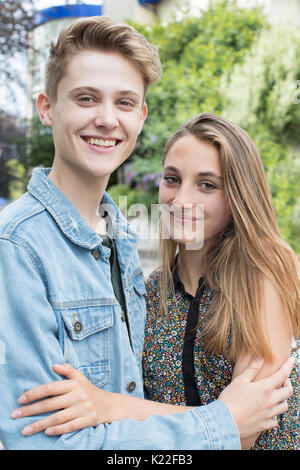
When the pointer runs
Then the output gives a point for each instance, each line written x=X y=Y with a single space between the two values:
x=188 y=201
x=184 y=196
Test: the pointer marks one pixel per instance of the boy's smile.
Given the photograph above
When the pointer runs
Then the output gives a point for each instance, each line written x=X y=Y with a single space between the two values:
x=98 y=114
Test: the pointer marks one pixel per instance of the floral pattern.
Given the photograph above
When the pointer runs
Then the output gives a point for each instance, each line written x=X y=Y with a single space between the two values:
x=162 y=363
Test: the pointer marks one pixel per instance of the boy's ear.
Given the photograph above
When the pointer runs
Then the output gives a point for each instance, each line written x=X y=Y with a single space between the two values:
x=44 y=108
x=144 y=114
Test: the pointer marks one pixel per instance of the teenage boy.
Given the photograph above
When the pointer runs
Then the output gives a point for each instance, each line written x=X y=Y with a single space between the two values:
x=61 y=298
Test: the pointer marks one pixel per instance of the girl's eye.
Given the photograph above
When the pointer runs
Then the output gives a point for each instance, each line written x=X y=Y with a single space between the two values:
x=171 y=179
x=207 y=186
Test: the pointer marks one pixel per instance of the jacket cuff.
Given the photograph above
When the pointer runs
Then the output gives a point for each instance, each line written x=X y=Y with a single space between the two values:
x=221 y=427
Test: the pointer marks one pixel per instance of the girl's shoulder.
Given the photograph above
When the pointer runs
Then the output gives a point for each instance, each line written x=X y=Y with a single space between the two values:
x=153 y=295
x=153 y=280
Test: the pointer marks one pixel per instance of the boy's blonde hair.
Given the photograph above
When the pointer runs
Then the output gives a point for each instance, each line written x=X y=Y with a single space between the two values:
x=100 y=33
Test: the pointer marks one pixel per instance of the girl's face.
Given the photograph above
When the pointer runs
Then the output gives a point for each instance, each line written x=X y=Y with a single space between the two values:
x=193 y=204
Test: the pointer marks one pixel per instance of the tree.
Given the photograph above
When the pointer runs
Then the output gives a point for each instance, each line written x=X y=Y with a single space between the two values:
x=231 y=62
x=16 y=19
x=261 y=96
x=11 y=129
x=195 y=53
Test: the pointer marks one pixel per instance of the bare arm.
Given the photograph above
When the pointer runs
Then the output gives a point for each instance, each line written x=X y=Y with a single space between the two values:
x=279 y=334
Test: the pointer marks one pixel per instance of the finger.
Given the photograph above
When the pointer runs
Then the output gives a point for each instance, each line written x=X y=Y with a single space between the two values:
x=71 y=426
x=57 y=418
x=249 y=374
x=280 y=408
x=279 y=378
x=68 y=371
x=49 y=389
x=282 y=393
x=270 y=423
x=45 y=406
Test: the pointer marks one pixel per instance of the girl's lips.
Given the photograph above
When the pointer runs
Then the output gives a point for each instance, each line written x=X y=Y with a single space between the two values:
x=184 y=218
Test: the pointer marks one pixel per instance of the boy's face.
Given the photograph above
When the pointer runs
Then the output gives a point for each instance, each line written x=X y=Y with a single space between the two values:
x=98 y=114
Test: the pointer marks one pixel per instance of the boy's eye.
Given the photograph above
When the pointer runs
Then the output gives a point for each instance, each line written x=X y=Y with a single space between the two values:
x=86 y=99
x=126 y=103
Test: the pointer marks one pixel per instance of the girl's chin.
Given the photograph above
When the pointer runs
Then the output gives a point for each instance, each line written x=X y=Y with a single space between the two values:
x=189 y=242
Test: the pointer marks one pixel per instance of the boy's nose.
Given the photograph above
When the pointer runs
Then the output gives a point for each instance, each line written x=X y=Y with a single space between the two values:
x=106 y=117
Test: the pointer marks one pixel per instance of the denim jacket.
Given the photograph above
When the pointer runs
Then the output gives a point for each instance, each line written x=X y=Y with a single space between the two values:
x=57 y=305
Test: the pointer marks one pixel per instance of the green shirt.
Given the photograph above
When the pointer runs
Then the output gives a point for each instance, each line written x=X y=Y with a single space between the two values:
x=115 y=273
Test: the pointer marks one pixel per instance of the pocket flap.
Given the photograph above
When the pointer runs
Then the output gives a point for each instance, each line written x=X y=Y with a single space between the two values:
x=84 y=321
x=139 y=284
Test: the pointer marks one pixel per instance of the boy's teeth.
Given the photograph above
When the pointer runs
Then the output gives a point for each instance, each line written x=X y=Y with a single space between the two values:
x=101 y=142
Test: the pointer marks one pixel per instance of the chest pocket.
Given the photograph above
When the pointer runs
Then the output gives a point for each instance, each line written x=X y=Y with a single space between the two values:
x=87 y=336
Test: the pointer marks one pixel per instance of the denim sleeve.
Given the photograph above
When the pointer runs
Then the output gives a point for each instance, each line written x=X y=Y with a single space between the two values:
x=29 y=346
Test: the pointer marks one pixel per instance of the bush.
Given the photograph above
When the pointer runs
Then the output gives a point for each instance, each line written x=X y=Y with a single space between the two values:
x=195 y=53
x=227 y=61
x=259 y=95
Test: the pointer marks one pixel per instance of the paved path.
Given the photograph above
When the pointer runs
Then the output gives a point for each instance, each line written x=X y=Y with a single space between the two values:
x=148 y=243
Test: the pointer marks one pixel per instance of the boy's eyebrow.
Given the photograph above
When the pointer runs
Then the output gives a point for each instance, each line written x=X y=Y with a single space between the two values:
x=85 y=89
x=201 y=173
x=130 y=92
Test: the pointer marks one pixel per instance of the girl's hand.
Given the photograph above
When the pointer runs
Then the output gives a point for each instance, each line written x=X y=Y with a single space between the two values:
x=81 y=404
x=256 y=404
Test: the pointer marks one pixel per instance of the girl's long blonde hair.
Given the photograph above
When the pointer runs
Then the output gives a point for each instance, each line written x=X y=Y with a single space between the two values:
x=250 y=248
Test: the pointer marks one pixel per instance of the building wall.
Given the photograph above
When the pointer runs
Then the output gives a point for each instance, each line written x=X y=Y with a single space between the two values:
x=277 y=11
x=285 y=12
x=128 y=9
x=40 y=39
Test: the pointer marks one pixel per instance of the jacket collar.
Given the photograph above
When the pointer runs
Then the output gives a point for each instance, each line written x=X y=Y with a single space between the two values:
x=67 y=217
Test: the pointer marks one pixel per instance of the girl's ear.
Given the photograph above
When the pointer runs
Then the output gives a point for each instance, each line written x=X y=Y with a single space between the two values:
x=44 y=108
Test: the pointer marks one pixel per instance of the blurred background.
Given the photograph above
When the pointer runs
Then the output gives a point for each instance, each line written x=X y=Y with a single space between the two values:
x=237 y=58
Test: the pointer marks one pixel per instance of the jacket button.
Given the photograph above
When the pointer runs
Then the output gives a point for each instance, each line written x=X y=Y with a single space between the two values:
x=77 y=326
x=123 y=316
x=131 y=387
x=96 y=254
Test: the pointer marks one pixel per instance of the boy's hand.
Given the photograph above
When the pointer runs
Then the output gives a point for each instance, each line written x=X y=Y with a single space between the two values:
x=255 y=405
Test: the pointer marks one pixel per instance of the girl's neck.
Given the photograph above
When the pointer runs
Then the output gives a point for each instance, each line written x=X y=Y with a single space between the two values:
x=190 y=265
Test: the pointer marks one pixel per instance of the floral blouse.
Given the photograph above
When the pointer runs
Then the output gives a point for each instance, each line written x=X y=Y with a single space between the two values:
x=164 y=375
